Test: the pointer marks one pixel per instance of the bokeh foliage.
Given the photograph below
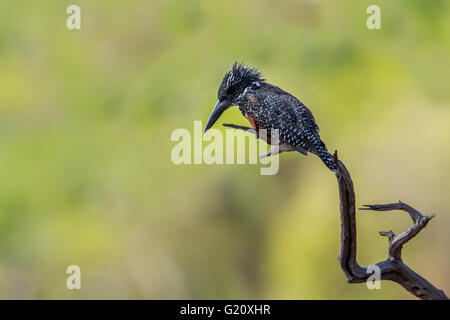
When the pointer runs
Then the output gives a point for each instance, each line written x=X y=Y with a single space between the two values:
x=85 y=124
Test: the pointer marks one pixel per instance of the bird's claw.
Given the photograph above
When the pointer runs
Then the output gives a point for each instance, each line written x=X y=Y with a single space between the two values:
x=273 y=151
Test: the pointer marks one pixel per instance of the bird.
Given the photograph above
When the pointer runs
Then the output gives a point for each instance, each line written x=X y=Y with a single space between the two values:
x=268 y=107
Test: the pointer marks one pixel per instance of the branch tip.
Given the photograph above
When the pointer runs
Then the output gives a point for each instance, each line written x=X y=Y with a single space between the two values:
x=388 y=234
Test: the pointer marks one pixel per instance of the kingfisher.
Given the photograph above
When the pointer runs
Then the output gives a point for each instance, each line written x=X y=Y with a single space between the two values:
x=269 y=108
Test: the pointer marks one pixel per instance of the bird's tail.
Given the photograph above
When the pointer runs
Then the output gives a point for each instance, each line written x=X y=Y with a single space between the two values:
x=326 y=157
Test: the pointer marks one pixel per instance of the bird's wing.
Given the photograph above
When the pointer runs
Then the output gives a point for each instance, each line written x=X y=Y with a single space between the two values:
x=294 y=121
x=296 y=125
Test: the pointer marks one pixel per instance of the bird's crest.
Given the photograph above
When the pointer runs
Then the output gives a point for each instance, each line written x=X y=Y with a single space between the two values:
x=239 y=77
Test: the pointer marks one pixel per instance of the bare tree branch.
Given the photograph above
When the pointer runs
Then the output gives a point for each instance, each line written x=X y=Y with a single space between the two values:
x=393 y=268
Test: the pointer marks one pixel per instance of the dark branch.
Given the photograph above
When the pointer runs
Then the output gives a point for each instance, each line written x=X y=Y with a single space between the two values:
x=392 y=268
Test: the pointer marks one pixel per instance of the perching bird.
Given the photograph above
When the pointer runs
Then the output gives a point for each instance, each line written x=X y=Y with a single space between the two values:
x=267 y=107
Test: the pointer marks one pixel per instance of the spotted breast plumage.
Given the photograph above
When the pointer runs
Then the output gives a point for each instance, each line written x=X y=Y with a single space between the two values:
x=268 y=107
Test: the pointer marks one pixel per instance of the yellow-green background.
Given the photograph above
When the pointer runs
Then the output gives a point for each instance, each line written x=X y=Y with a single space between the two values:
x=85 y=171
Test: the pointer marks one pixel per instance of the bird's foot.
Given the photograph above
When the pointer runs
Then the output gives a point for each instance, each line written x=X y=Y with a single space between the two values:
x=273 y=151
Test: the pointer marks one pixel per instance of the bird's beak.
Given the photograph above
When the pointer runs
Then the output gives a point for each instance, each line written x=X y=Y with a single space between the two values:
x=220 y=107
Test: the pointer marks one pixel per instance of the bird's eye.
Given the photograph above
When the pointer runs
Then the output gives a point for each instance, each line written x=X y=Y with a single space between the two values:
x=255 y=85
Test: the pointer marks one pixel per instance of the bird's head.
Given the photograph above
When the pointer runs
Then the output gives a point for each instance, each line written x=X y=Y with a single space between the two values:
x=234 y=85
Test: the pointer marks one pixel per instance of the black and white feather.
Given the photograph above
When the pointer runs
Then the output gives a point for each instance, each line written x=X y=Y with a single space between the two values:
x=269 y=107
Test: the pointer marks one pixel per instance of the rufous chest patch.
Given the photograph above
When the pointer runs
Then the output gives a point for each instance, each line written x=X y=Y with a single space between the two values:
x=251 y=120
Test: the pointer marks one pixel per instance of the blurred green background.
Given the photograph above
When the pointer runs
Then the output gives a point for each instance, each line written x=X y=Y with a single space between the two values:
x=85 y=123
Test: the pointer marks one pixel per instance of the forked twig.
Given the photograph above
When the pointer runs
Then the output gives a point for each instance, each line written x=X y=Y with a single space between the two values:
x=393 y=268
